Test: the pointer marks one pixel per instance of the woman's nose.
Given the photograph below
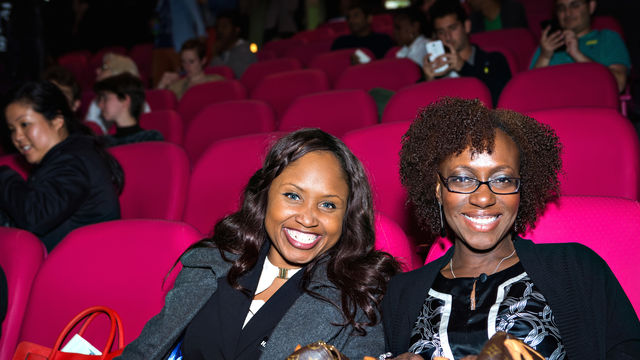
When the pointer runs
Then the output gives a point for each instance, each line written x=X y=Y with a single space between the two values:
x=307 y=217
x=483 y=197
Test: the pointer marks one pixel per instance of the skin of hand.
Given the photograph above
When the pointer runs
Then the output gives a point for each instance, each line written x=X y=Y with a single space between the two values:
x=571 y=40
x=550 y=42
x=167 y=79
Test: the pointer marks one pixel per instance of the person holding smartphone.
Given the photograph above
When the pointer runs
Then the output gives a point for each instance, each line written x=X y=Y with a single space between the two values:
x=460 y=57
x=580 y=42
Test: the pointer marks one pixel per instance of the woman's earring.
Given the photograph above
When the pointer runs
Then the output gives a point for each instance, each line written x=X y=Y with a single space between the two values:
x=443 y=230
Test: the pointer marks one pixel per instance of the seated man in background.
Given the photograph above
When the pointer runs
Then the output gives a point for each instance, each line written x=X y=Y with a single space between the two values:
x=488 y=15
x=577 y=42
x=121 y=99
x=359 y=19
x=230 y=48
x=462 y=58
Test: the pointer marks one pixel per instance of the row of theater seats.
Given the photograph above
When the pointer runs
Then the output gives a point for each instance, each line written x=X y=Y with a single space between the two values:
x=123 y=264
x=129 y=265
x=161 y=183
x=199 y=120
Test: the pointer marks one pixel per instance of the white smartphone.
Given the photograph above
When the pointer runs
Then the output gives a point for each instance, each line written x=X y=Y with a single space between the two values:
x=362 y=56
x=435 y=49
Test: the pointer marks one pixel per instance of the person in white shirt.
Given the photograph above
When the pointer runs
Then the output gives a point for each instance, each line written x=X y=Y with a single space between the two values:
x=408 y=32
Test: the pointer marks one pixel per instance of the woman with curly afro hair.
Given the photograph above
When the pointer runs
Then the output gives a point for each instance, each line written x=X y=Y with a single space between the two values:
x=481 y=177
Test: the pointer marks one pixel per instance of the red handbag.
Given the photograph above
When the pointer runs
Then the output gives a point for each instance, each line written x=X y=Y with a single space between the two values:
x=30 y=351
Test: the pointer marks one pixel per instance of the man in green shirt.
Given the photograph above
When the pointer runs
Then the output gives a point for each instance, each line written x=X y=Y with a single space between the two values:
x=582 y=43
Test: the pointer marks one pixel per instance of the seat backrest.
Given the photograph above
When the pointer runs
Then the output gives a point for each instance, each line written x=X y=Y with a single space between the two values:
x=142 y=55
x=407 y=102
x=307 y=51
x=279 y=90
x=167 y=122
x=279 y=47
x=120 y=264
x=321 y=33
x=596 y=136
x=222 y=70
x=607 y=225
x=568 y=85
x=378 y=148
x=390 y=238
x=333 y=63
x=392 y=74
x=261 y=69
x=519 y=40
x=161 y=99
x=226 y=120
x=199 y=96
x=21 y=254
x=17 y=162
x=607 y=22
x=220 y=176
x=335 y=112
x=156 y=176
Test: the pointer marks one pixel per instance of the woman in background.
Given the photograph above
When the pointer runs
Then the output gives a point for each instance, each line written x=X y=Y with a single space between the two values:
x=74 y=181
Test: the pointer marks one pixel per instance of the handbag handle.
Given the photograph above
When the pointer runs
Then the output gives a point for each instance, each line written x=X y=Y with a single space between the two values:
x=90 y=314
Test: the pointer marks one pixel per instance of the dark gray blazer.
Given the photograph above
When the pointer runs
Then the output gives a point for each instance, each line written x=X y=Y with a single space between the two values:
x=308 y=320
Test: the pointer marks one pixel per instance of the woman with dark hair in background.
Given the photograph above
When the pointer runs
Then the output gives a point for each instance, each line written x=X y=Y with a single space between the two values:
x=296 y=264
x=74 y=181
x=481 y=177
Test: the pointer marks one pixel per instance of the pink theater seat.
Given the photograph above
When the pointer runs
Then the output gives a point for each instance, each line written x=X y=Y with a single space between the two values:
x=199 y=96
x=519 y=40
x=220 y=176
x=335 y=112
x=568 y=85
x=167 y=122
x=278 y=47
x=222 y=70
x=607 y=225
x=407 y=102
x=161 y=99
x=226 y=120
x=142 y=55
x=596 y=136
x=97 y=130
x=333 y=63
x=390 y=238
x=78 y=63
x=391 y=53
x=321 y=33
x=279 y=90
x=17 y=163
x=339 y=27
x=307 y=51
x=258 y=71
x=607 y=22
x=378 y=148
x=120 y=264
x=392 y=74
x=21 y=254
x=156 y=176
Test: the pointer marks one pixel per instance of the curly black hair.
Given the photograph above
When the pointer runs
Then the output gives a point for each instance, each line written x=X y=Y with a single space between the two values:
x=450 y=126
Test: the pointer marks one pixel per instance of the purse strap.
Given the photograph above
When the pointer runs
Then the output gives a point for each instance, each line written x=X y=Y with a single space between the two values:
x=90 y=314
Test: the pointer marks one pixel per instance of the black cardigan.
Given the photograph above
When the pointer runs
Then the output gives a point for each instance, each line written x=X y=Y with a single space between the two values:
x=71 y=187
x=595 y=318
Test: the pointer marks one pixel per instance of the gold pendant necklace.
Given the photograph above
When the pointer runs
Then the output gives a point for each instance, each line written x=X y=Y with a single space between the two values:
x=472 y=296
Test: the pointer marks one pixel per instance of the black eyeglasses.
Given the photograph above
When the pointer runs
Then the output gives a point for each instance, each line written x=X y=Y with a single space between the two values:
x=502 y=185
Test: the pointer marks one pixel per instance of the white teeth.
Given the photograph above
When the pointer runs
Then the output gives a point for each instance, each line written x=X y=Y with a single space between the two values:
x=301 y=237
x=482 y=220
x=25 y=148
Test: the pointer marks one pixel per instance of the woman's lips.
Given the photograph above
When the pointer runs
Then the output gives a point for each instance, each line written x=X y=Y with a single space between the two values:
x=481 y=223
x=300 y=239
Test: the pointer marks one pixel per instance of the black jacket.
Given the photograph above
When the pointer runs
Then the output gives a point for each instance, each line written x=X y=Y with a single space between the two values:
x=491 y=68
x=595 y=318
x=71 y=187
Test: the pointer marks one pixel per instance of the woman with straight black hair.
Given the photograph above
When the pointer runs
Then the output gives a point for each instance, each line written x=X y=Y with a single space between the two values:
x=296 y=264
x=73 y=182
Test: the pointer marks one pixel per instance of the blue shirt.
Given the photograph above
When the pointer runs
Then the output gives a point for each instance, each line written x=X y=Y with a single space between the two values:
x=602 y=46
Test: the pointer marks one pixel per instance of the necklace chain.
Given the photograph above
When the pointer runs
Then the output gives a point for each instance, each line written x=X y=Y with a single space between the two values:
x=494 y=270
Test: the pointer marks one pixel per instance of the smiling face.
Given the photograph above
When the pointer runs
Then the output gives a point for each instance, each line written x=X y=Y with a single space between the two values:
x=305 y=209
x=32 y=134
x=452 y=31
x=481 y=219
x=191 y=63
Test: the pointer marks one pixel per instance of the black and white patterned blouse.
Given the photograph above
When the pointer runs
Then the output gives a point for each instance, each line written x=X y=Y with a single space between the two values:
x=506 y=301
